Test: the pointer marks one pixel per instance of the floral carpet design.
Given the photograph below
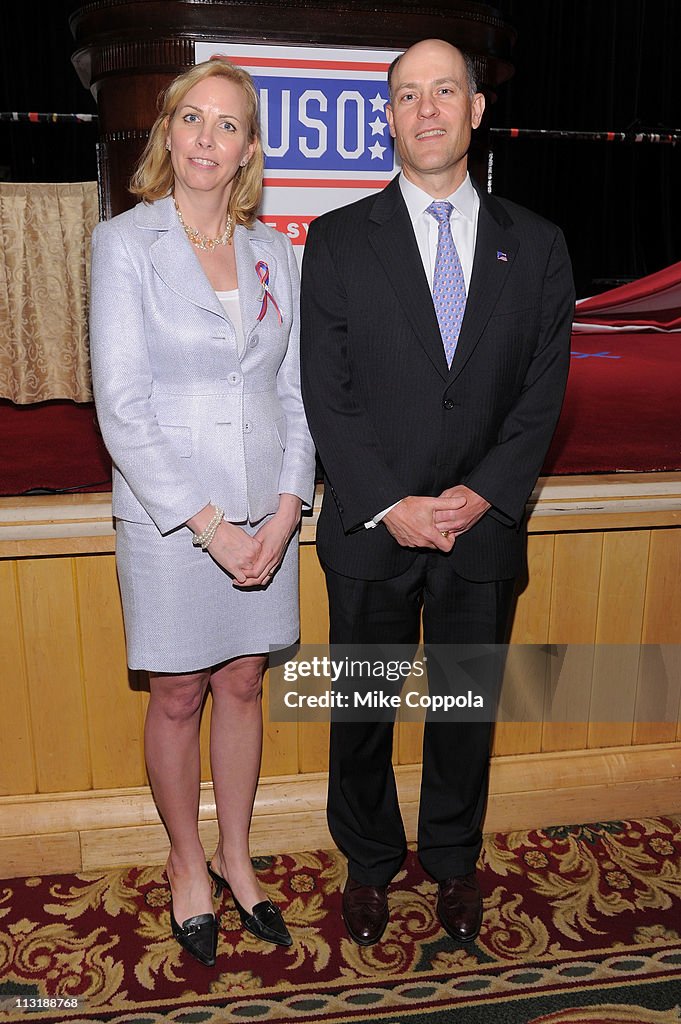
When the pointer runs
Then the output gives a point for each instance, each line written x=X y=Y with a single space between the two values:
x=582 y=926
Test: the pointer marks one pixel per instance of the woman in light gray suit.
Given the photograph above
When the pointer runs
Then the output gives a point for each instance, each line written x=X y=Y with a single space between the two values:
x=194 y=346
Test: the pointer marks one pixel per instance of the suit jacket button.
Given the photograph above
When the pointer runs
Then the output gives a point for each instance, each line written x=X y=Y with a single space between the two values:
x=448 y=403
x=248 y=427
x=252 y=342
x=234 y=378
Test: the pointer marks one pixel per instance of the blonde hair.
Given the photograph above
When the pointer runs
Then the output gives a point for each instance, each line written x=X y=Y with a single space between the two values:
x=154 y=177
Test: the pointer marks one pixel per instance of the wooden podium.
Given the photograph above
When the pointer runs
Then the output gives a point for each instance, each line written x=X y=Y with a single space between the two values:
x=127 y=53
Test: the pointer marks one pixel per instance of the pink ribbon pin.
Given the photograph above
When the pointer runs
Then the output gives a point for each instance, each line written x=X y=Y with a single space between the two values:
x=263 y=272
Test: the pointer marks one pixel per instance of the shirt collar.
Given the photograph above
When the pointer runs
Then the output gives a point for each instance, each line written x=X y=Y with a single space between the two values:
x=417 y=201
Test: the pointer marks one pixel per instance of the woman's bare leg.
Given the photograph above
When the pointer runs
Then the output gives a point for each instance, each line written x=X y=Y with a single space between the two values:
x=236 y=748
x=171 y=738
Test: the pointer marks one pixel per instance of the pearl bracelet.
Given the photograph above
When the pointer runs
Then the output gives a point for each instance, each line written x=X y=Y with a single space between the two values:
x=204 y=539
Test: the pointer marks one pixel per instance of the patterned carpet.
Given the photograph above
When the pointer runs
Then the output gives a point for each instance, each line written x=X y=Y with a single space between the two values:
x=582 y=926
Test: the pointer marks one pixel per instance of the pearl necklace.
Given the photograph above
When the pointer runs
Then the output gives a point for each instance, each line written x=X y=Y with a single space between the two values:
x=200 y=240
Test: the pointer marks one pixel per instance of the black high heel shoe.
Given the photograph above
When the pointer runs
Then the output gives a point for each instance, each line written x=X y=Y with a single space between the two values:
x=198 y=935
x=264 y=921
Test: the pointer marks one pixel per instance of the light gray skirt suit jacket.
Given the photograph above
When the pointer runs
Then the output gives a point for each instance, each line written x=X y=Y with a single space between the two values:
x=188 y=420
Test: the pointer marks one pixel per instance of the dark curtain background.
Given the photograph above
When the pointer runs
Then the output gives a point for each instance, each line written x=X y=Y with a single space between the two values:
x=36 y=74
x=596 y=65
x=587 y=65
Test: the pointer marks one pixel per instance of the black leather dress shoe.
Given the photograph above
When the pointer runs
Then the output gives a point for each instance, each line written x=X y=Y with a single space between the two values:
x=198 y=935
x=459 y=907
x=365 y=911
x=264 y=921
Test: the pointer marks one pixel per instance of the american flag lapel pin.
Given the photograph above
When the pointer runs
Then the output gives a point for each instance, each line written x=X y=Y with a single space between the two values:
x=502 y=256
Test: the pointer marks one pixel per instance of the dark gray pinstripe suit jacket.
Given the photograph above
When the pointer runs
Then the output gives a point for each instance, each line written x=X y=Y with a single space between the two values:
x=387 y=415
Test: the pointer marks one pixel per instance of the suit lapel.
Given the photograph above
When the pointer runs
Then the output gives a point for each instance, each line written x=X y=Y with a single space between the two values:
x=393 y=240
x=495 y=250
x=175 y=261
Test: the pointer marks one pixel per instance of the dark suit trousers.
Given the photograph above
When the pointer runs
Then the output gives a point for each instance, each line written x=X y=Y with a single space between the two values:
x=363 y=811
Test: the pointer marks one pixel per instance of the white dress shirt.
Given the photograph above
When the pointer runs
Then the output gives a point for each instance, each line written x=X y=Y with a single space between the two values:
x=463 y=221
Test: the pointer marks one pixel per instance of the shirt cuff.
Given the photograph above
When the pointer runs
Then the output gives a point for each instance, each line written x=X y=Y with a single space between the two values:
x=377 y=518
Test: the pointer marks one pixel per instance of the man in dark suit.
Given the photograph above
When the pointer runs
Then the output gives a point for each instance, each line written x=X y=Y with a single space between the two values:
x=435 y=349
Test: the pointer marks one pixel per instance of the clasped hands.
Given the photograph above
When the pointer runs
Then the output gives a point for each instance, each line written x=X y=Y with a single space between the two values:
x=423 y=522
x=253 y=560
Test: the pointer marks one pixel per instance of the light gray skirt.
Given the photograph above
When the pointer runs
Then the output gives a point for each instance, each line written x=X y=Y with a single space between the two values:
x=182 y=613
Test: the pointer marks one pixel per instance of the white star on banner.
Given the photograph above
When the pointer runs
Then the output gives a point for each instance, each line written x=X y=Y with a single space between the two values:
x=377 y=126
x=377 y=151
x=378 y=103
